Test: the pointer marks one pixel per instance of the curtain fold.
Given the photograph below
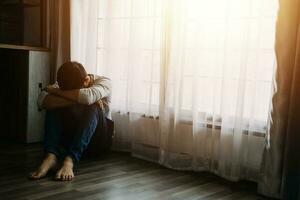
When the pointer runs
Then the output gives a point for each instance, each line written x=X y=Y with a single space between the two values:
x=281 y=162
x=59 y=34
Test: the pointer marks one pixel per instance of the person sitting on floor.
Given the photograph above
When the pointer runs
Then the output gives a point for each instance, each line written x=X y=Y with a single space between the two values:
x=76 y=102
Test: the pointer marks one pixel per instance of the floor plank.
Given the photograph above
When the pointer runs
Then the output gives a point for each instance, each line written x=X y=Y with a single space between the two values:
x=118 y=176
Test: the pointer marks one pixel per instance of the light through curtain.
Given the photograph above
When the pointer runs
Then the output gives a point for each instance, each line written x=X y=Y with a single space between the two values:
x=129 y=51
x=219 y=78
x=191 y=79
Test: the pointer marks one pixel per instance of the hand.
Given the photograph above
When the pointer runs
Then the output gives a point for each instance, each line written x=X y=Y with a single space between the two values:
x=52 y=89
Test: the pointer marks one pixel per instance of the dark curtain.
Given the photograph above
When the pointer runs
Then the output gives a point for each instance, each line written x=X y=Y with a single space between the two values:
x=59 y=34
x=281 y=159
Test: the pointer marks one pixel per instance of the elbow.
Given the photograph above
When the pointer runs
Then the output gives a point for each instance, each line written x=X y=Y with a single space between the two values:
x=42 y=100
x=46 y=106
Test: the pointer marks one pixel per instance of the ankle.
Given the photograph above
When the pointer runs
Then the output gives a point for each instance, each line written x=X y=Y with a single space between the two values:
x=68 y=162
x=51 y=156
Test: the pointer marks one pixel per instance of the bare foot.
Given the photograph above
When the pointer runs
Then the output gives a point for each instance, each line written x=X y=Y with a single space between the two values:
x=48 y=163
x=66 y=171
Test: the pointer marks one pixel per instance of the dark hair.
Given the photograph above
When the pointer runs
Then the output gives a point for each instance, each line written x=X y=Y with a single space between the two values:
x=71 y=76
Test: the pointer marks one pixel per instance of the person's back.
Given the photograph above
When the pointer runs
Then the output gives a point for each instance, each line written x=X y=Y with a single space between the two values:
x=77 y=102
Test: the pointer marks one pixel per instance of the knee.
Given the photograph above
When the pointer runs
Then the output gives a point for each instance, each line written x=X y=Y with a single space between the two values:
x=93 y=107
x=91 y=110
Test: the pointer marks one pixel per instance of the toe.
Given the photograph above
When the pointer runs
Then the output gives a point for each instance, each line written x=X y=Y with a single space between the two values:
x=58 y=176
x=34 y=175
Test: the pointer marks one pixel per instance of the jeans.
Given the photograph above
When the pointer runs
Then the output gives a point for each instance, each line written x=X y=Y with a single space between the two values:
x=68 y=131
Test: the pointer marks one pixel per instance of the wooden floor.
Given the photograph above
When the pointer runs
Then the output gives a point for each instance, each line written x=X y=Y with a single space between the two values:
x=118 y=176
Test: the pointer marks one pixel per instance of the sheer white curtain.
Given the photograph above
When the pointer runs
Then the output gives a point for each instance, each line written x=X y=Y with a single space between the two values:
x=191 y=78
x=84 y=32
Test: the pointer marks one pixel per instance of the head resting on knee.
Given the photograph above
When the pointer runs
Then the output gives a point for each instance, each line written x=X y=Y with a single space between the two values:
x=72 y=75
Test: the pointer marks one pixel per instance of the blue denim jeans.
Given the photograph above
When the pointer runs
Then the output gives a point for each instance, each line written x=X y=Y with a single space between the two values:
x=69 y=130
